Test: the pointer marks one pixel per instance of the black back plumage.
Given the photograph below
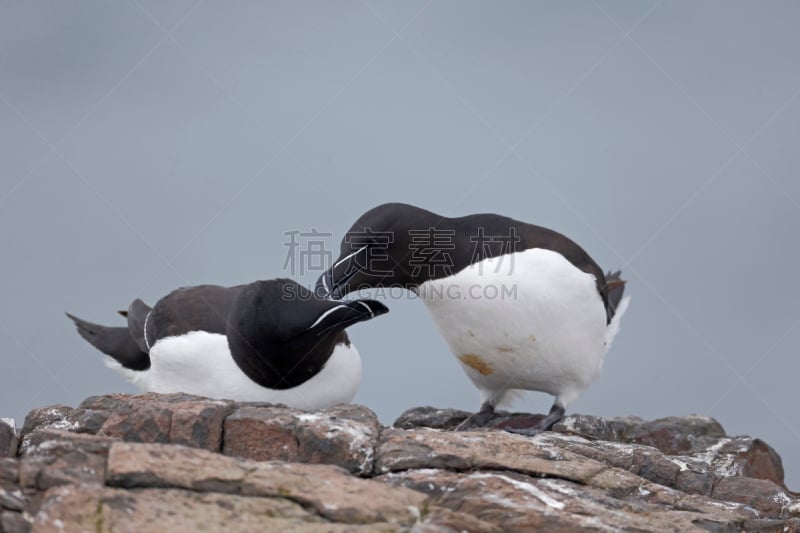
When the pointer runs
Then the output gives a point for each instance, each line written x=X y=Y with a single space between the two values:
x=198 y=308
x=469 y=239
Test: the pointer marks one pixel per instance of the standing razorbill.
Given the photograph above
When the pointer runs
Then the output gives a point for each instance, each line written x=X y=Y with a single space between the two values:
x=521 y=306
x=271 y=341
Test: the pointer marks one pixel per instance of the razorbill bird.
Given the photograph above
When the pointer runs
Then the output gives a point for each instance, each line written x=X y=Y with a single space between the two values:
x=271 y=341
x=522 y=307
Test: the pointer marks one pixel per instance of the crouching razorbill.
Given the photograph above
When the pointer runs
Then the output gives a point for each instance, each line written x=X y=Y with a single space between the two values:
x=271 y=341
x=521 y=306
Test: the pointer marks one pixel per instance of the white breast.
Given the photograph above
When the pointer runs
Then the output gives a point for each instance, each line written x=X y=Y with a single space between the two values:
x=200 y=363
x=530 y=320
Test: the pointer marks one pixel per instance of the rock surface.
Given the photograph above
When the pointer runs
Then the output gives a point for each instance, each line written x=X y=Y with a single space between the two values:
x=343 y=435
x=8 y=437
x=181 y=463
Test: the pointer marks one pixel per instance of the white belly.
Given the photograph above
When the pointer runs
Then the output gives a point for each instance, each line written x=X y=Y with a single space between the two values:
x=200 y=363
x=530 y=321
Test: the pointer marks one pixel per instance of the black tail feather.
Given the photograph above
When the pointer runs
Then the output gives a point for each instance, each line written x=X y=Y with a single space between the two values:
x=616 y=288
x=116 y=342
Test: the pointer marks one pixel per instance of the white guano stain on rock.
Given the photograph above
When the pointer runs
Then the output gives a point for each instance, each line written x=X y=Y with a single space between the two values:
x=61 y=422
x=723 y=465
x=526 y=487
x=683 y=466
x=361 y=437
x=557 y=485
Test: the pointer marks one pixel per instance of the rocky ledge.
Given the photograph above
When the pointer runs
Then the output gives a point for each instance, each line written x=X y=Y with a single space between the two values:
x=181 y=463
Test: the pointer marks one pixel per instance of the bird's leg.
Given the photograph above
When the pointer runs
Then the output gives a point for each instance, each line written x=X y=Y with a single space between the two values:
x=556 y=414
x=479 y=419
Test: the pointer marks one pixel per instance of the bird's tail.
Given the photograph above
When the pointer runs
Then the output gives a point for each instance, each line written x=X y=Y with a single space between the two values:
x=115 y=342
x=616 y=288
x=617 y=303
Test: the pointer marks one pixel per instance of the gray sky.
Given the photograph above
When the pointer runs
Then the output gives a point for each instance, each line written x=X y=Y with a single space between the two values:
x=147 y=145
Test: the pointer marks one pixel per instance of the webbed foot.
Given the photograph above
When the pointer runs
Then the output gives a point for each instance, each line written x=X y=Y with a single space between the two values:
x=545 y=424
x=478 y=420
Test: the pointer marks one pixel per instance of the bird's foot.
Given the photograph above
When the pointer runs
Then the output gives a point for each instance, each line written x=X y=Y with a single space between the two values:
x=545 y=424
x=480 y=419
x=528 y=432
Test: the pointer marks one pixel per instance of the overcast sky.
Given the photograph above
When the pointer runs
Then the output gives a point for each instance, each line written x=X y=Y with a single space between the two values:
x=147 y=145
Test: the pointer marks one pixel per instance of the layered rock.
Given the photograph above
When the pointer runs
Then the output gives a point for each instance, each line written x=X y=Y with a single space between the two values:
x=175 y=462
